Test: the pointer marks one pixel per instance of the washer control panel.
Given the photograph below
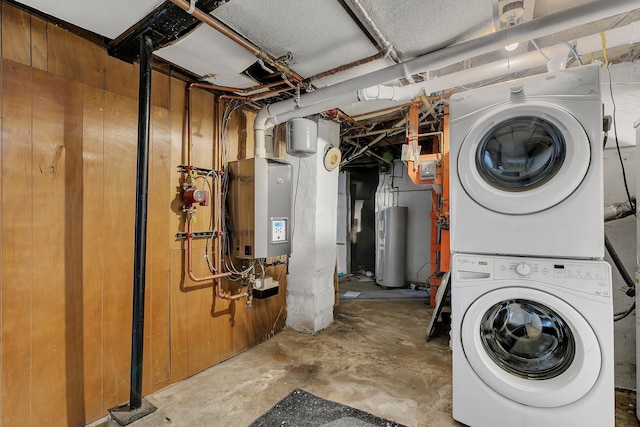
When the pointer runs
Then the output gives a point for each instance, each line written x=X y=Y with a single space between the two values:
x=593 y=277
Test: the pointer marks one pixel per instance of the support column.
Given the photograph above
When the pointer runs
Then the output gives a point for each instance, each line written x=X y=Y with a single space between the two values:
x=138 y=407
x=310 y=293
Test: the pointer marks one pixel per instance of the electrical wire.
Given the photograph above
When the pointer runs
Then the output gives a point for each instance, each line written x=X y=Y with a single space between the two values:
x=573 y=50
x=619 y=316
x=295 y=198
x=625 y=276
x=615 y=132
x=618 y=263
x=237 y=274
x=419 y=270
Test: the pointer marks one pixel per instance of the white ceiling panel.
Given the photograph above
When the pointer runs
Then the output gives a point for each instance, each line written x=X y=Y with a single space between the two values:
x=319 y=34
x=207 y=52
x=416 y=27
x=109 y=18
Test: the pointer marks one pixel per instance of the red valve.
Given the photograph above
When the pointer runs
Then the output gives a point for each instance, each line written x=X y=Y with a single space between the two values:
x=333 y=113
x=194 y=195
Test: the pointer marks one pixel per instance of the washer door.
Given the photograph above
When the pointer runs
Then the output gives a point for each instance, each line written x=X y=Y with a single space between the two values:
x=531 y=347
x=522 y=159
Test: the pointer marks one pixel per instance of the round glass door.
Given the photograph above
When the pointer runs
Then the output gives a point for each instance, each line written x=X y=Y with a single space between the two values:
x=524 y=158
x=530 y=346
x=527 y=339
x=521 y=153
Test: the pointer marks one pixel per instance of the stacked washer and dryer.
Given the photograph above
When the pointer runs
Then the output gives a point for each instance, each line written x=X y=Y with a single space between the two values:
x=532 y=311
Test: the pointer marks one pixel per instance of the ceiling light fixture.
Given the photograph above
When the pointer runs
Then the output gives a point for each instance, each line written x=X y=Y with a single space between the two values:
x=512 y=13
x=511 y=47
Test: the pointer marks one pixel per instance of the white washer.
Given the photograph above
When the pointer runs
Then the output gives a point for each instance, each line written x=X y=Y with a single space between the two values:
x=532 y=342
x=526 y=167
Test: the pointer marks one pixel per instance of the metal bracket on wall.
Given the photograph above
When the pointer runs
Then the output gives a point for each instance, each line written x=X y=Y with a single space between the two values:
x=197 y=235
x=200 y=171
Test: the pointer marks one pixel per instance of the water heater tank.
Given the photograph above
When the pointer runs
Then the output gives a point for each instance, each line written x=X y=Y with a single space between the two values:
x=302 y=137
x=391 y=254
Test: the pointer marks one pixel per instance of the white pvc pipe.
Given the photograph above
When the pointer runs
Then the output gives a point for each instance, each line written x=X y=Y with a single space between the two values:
x=342 y=93
x=557 y=55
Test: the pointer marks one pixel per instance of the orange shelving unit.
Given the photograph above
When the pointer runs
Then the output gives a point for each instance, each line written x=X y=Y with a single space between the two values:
x=439 y=215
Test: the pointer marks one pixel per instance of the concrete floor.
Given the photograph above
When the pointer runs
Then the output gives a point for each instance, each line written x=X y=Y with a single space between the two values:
x=373 y=357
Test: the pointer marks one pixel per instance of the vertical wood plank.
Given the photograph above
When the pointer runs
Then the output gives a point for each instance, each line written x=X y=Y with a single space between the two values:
x=178 y=298
x=202 y=139
x=16 y=34
x=93 y=64
x=160 y=90
x=249 y=140
x=1 y=229
x=178 y=156
x=120 y=77
x=239 y=124
x=93 y=250
x=178 y=315
x=16 y=245
x=120 y=134
x=159 y=233
x=0 y=39
x=38 y=43
x=202 y=328
x=57 y=276
x=64 y=58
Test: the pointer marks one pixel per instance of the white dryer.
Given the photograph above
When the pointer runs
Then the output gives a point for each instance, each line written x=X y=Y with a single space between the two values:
x=526 y=167
x=532 y=342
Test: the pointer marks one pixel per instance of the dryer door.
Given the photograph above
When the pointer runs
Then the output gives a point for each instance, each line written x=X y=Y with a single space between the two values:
x=524 y=158
x=531 y=347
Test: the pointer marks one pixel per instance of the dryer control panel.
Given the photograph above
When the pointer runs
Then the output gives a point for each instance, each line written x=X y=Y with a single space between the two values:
x=591 y=277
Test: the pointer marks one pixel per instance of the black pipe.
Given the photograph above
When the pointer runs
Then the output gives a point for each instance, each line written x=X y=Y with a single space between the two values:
x=140 y=248
x=618 y=262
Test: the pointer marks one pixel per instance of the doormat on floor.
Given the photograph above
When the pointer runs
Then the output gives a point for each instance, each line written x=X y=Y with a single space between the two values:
x=302 y=409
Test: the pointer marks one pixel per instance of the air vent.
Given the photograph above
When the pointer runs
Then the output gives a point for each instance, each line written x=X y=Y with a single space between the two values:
x=165 y=25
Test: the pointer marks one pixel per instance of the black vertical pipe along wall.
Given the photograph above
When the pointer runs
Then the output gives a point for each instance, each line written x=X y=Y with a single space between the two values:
x=140 y=246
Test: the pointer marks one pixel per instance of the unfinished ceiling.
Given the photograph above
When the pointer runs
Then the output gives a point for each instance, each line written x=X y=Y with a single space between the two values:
x=325 y=42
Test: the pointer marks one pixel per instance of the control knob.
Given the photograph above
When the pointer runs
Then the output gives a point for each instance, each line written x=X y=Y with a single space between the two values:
x=523 y=269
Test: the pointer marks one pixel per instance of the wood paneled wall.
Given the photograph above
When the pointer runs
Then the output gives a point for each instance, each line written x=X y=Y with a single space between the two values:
x=67 y=186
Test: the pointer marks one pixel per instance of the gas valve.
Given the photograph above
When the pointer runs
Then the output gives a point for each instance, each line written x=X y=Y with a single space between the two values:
x=193 y=195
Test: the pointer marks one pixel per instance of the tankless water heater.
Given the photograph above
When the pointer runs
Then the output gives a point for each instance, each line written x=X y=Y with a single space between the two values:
x=259 y=206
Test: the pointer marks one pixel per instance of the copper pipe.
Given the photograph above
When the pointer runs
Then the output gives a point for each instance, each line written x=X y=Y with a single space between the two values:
x=252 y=105
x=239 y=90
x=348 y=66
x=269 y=94
x=348 y=118
x=190 y=261
x=189 y=234
x=227 y=32
x=227 y=295
x=263 y=95
x=254 y=97
x=189 y=87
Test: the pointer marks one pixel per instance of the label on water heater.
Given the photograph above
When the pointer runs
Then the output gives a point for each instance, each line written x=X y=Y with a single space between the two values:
x=278 y=230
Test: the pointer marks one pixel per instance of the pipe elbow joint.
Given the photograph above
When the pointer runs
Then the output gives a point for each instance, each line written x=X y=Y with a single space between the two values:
x=260 y=122
x=379 y=92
